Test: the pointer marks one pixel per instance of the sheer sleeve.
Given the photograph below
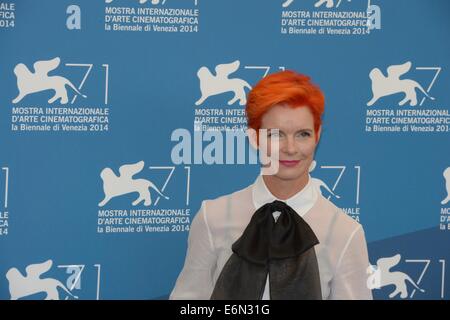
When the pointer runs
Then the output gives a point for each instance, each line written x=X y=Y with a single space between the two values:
x=196 y=278
x=350 y=280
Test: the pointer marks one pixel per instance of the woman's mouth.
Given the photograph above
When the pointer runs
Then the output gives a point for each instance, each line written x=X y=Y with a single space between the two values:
x=289 y=163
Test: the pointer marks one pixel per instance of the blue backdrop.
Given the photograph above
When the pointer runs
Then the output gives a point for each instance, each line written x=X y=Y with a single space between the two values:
x=88 y=88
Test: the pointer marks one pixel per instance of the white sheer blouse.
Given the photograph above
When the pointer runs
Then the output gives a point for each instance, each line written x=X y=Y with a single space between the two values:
x=342 y=252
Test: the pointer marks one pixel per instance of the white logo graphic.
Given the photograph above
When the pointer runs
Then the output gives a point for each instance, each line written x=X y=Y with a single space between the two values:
x=140 y=1
x=391 y=84
x=4 y=211
x=22 y=286
x=328 y=3
x=114 y=186
x=211 y=85
x=446 y=175
x=381 y=276
x=287 y=3
x=28 y=82
x=319 y=183
x=5 y=202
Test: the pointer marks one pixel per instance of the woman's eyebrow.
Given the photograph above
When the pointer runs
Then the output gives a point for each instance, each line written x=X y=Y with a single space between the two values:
x=304 y=129
x=299 y=130
x=272 y=129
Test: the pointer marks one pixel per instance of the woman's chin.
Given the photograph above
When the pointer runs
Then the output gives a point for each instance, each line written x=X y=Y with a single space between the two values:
x=288 y=174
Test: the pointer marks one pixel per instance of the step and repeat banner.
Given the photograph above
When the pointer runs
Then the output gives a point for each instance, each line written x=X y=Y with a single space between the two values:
x=115 y=117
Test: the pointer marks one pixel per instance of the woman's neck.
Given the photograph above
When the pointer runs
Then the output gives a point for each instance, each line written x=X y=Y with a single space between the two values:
x=284 y=189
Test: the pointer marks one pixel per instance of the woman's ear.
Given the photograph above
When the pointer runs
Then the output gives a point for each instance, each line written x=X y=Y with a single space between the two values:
x=253 y=137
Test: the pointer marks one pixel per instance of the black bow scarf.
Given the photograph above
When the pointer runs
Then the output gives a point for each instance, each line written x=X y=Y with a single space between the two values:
x=284 y=249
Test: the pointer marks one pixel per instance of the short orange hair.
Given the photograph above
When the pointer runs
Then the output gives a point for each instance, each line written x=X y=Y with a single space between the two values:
x=284 y=88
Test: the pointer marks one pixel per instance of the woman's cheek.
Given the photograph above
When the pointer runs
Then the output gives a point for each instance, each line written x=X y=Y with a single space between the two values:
x=307 y=149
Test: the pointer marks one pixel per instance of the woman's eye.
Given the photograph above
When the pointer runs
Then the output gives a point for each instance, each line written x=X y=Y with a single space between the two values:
x=305 y=134
x=274 y=134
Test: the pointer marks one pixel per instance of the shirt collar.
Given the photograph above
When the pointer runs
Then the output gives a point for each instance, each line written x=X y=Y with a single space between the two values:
x=301 y=202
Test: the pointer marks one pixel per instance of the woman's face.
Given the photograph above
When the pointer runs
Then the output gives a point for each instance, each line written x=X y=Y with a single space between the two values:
x=296 y=140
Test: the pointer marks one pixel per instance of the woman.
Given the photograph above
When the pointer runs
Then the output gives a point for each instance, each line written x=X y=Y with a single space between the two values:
x=278 y=238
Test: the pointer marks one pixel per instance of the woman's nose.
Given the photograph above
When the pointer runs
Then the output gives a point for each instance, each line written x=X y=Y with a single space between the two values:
x=289 y=146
